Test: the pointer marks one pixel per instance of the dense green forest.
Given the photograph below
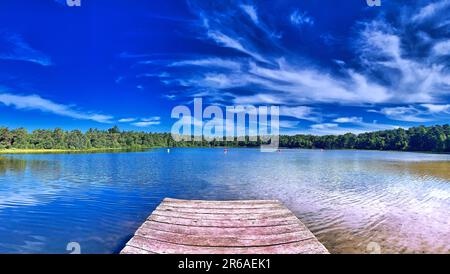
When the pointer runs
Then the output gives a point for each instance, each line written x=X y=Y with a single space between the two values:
x=434 y=138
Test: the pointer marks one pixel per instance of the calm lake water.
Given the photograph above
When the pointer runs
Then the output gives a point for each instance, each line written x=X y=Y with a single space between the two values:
x=400 y=201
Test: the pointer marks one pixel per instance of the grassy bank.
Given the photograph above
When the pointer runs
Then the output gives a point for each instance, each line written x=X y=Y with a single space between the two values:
x=56 y=151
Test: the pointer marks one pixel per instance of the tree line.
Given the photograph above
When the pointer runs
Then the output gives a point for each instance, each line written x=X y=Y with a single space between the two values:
x=432 y=138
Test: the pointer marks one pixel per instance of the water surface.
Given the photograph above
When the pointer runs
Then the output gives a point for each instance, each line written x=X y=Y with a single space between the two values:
x=349 y=199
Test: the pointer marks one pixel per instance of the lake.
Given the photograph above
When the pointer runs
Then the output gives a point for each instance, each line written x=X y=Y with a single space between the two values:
x=353 y=201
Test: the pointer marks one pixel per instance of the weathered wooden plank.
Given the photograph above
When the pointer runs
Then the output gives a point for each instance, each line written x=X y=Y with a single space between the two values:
x=160 y=247
x=128 y=249
x=225 y=223
x=181 y=201
x=224 y=231
x=223 y=210
x=231 y=241
x=222 y=205
x=275 y=214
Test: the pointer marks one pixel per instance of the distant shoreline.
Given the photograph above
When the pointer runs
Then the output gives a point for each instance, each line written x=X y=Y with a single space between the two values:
x=134 y=149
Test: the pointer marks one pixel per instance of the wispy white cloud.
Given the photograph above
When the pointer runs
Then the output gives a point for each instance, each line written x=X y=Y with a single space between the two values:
x=356 y=128
x=407 y=114
x=15 y=48
x=325 y=126
x=288 y=85
x=411 y=80
x=154 y=118
x=299 y=18
x=126 y=120
x=251 y=12
x=351 y=120
x=433 y=108
x=417 y=113
x=431 y=9
x=229 y=42
x=35 y=102
x=214 y=25
x=300 y=112
x=292 y=85
x=209 y=62
x=170 y=96
x=156 y=75
x=145 y=122
x=442 y=48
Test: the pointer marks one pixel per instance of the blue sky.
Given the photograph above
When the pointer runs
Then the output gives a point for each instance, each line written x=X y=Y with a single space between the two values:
x=331 y=66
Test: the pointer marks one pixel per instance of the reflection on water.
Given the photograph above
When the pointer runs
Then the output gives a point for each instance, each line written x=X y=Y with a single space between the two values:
x=16 y=165
x=348 y=199
x=10 y=164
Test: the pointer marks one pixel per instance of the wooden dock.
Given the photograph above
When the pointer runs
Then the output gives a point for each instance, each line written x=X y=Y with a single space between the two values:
x=223 y=227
